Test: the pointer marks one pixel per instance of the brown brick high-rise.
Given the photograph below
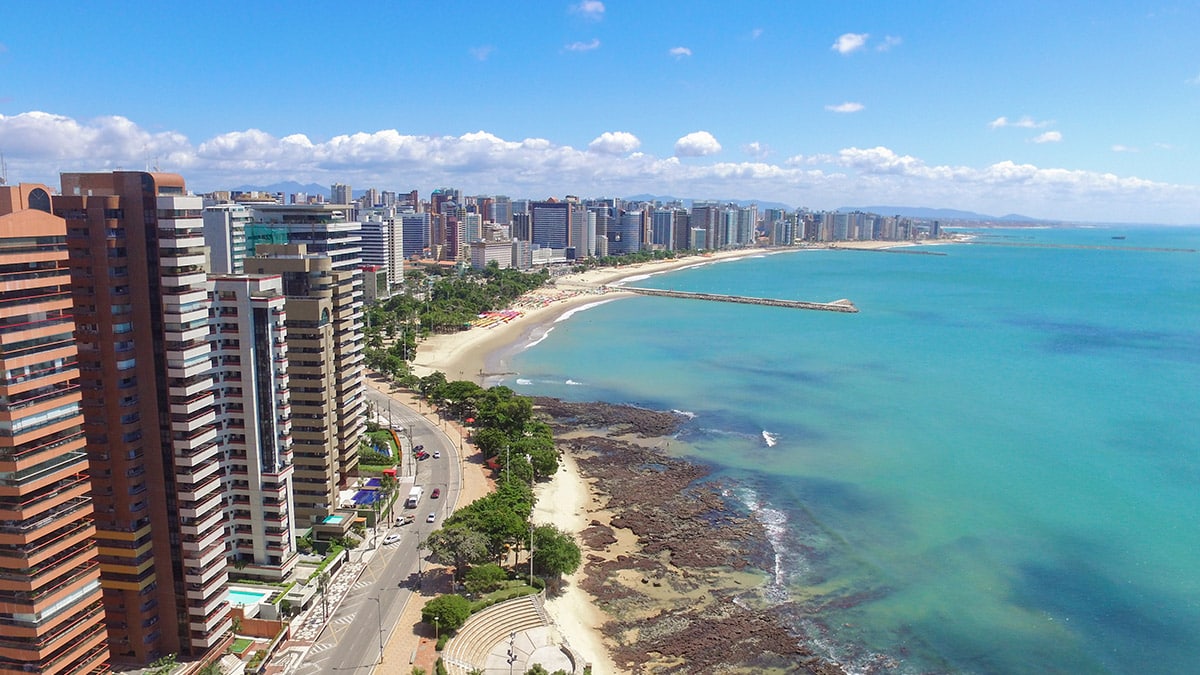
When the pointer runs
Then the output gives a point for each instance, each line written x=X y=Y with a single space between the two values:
x=51 y=614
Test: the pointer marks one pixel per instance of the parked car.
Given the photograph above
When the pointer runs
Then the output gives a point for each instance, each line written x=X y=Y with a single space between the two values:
x=423 y=456
x=437 y=454
x=437 y=492
x=391 y=539
x=406 y=519
x=418 y=448
x=431 y=517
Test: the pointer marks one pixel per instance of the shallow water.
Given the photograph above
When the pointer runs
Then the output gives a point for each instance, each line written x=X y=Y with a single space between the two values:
x=992 y=468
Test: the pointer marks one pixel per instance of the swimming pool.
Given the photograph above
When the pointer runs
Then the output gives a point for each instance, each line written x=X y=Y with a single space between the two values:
x=244 y=596
x=333 y=520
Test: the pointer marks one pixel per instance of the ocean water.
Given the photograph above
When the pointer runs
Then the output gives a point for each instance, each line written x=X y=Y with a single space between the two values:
x=994 y=467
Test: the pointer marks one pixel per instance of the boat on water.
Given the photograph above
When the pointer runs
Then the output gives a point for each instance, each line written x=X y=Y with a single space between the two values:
x=1119 y=236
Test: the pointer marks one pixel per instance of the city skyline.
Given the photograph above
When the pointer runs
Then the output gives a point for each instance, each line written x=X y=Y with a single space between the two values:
x=1020 y=108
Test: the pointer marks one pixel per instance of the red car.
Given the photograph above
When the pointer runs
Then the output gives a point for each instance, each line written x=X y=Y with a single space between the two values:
x=437 y=492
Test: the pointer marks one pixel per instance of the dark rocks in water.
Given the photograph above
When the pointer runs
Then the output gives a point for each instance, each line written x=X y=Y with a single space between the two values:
x=620 y=419
x=675 y=611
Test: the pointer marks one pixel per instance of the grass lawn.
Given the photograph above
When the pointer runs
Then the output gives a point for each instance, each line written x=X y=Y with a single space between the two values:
x=503 y=594
x=374 y=469
x=240 y=645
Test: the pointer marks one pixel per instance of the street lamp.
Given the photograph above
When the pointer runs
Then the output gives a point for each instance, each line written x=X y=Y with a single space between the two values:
x=437 y=623
x=512 y=654
x=379 y=617
x=529 y=458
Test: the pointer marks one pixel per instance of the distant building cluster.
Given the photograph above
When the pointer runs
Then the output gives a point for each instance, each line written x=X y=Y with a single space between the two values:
x=450 y=229
x=182 y=391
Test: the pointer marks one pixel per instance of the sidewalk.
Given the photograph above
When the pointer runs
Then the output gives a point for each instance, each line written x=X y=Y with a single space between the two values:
x=411 y=642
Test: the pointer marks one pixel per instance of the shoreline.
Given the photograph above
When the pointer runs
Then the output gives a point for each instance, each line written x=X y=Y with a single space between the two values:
x=476 y=354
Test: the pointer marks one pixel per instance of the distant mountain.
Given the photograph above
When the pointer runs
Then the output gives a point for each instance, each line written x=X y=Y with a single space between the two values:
x=286 y=187
x=938 y=214
x=740 y=202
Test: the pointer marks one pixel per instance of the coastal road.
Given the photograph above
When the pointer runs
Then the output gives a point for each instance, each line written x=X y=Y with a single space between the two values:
x=369 y=612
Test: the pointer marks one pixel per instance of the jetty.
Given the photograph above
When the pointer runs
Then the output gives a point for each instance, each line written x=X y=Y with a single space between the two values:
x=1086 y=247
x=844 y=306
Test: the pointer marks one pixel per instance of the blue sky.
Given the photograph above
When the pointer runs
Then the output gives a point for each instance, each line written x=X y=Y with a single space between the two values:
x=1075 y=111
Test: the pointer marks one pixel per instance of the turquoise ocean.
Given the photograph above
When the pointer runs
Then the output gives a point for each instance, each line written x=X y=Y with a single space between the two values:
x=994 y=467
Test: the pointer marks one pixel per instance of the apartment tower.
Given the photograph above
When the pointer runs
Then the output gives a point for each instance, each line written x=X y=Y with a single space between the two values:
x=320 y=318
x=255 y=423
x=51 y=606
x=141 y=300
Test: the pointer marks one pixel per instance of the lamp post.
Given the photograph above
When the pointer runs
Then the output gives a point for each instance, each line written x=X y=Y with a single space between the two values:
x=437 y=623
x=512 y=654
x=379 y=617
x=529 y=458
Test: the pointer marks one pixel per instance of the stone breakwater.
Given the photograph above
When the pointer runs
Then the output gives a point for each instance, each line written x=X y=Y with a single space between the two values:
x=843 y=305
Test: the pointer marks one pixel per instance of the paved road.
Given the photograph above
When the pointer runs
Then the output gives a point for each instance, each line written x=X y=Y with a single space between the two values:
x=361 y=623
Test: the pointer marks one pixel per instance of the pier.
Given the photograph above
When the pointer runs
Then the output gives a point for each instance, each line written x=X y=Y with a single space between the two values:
x=1088 y=247
x=844 y=306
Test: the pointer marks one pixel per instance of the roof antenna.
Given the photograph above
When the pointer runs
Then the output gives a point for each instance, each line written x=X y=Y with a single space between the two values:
x=3 y=170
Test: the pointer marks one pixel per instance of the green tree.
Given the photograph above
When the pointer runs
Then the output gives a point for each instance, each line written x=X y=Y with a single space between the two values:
x=446 y=611
x=545 y=462
x=489 y=440
x=537 y=669
x=485 y=578
x=554 y=551
x=460 y=544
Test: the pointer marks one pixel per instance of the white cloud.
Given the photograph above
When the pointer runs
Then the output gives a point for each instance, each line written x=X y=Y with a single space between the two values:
x=847 y=107
x=38 y=145
x=482 y=52
x=1026 y=122
x=583 y=46
x=1049 y=137
x=1123 y=148
x=848 y=43
x=756 y=150
x=615 y=143
x=756 y=33
x=592 y=9
x=889 y=41
x=1193 y=80
x=697 y=144
x=679 y=52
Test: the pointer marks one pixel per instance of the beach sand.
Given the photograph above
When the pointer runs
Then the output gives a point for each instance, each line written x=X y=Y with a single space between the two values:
x=567 y=503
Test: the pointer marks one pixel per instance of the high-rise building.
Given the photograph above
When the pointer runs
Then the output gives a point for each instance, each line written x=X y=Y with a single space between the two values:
x=500 y=211
x=51 y=605
x=706 y=215
x=441 y=196
x=140 y=290
x=254 y=418
x=383 y=246
x=324 y=335
x=225 y=235
x=550 y=223
x=340 y=194
x=626 y=237
x=414 y=234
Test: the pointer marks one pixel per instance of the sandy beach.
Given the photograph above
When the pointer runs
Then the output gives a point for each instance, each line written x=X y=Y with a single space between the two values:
x=567 y=503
